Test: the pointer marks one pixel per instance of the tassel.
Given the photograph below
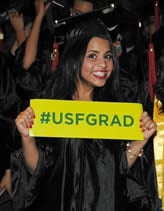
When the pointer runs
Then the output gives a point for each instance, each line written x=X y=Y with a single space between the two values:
x=1 y=39
x=152 y=70
x=54 y=56
x=156 y=16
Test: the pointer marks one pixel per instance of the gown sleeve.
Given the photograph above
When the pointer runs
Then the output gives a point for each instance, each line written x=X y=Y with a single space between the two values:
x=141 y=182
x=31 y=81
x=26 y=186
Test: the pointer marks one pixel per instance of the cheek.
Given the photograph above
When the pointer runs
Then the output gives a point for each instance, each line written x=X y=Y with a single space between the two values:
x=110 y=67
x=86 y=68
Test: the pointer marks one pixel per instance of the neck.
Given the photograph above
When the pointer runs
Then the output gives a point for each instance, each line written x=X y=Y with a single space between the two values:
x=83 y=93
x=79 y=96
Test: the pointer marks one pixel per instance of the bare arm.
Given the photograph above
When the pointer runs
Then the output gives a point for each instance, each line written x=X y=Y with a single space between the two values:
x=148 y=126
x=17 y=23
x=32 y=41
x=5 y=183
x=24 y=122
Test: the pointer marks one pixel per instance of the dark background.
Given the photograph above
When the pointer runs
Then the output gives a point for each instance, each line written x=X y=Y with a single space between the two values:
x=140 y=8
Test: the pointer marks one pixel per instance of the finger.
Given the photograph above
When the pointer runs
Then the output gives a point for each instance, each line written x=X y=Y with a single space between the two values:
x=24 y=119
x=145 y=119
x=30 y=113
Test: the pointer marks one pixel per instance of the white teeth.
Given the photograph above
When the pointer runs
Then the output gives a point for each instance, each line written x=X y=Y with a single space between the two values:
x=100 y=73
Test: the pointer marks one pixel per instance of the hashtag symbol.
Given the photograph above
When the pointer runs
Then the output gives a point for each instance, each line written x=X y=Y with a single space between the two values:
x=45 y=118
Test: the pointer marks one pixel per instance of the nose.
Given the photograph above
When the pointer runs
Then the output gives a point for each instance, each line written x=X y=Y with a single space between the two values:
x=102 y=63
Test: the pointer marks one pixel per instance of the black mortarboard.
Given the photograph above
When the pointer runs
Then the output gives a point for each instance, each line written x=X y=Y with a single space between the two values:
x=112 y=14
x=140 y=8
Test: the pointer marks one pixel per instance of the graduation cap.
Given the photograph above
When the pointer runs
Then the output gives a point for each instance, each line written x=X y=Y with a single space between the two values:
x=141 y=9
x=111 y=15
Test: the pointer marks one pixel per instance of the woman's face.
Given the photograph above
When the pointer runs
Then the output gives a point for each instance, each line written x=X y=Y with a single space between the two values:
x=98 y=63
x=81 y=7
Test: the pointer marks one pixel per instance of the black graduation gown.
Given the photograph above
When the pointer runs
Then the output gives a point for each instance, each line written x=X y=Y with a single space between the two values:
x=72 y=174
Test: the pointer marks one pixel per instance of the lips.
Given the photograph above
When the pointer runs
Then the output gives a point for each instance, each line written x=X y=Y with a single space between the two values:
x=100 y=74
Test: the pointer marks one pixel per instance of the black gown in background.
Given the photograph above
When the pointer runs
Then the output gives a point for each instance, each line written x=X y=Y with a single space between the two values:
x=9 y=108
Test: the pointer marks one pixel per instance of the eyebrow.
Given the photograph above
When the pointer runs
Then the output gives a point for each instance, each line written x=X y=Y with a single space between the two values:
x=77 y=11
x=95 y=51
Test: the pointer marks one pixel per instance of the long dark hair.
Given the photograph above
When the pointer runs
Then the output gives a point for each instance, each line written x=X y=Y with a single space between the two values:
x=63 y=84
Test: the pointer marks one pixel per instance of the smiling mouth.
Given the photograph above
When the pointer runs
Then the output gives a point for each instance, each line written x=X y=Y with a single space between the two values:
x=101 y=74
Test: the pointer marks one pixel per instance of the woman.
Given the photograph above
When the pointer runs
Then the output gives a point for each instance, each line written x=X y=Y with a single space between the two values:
x=77 y=174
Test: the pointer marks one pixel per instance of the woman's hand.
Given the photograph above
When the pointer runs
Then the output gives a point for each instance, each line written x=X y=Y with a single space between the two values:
x=5 y=182
x=24 y=121
x=135 y=149
x=147 y=125
x=16 y=20
x=41 y=8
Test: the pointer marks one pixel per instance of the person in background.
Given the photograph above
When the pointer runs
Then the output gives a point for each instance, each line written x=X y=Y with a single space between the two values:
x=81 y=6
x=72 y=173
x=9 y=108
x=33 y=58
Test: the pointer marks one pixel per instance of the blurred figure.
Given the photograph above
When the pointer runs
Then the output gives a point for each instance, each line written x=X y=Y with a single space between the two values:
x=33 y=58
x=9 y=108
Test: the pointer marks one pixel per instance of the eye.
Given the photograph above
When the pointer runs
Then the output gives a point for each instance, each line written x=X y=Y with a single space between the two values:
x=76 y=12
x=108 y=56
x=92 y=56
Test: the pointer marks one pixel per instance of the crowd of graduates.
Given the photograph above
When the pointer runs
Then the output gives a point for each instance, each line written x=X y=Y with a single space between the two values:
x=31 y=45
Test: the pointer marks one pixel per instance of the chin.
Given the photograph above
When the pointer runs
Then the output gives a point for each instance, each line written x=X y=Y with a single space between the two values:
x=100 y=84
